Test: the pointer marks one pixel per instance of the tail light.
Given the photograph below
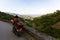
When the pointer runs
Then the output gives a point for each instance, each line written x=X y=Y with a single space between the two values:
x=20 y=30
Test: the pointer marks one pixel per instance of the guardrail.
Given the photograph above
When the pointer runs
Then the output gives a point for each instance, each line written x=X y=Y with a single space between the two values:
x=38 y=35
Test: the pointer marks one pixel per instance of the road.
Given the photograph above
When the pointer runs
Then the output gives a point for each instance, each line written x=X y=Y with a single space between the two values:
x=6 y=32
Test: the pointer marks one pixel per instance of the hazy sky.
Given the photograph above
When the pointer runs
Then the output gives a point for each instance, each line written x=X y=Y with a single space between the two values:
x=29 y=7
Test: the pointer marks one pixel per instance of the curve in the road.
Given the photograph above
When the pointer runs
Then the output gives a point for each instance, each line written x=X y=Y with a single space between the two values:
x=6 y=32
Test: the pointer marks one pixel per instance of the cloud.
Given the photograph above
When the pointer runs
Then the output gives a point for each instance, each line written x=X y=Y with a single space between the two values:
x=29 y=7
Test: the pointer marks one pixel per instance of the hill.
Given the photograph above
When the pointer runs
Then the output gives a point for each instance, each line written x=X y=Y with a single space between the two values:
x=49 y=24
x=22 y=16
x=5 y=16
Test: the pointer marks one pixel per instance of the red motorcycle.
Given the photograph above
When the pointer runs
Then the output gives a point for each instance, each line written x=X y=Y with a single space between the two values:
x=18 y=29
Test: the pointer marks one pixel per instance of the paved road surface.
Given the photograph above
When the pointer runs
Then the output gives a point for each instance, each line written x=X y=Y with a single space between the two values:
x=6 y=32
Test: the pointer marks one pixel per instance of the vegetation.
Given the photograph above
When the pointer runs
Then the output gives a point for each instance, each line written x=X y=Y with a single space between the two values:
x=44 y=23
x=28 y=22
x=5 y=16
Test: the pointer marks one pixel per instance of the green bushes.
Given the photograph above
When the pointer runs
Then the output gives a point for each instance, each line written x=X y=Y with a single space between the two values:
x=5 y=16
x=45 y=22
x=28 y=22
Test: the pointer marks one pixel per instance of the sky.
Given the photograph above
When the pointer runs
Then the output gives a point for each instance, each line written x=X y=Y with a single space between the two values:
x=30 y=7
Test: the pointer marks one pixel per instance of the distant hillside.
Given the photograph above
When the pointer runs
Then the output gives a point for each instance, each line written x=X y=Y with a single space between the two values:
x=22 y=16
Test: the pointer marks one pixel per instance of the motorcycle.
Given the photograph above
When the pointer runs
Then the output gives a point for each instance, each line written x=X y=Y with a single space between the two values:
x=18 y=29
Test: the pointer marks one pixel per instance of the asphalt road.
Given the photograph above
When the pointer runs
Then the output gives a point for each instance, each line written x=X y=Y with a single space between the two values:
x=6 y=32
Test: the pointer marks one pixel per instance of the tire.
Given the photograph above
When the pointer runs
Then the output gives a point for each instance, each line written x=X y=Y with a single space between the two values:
x=15 y=32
